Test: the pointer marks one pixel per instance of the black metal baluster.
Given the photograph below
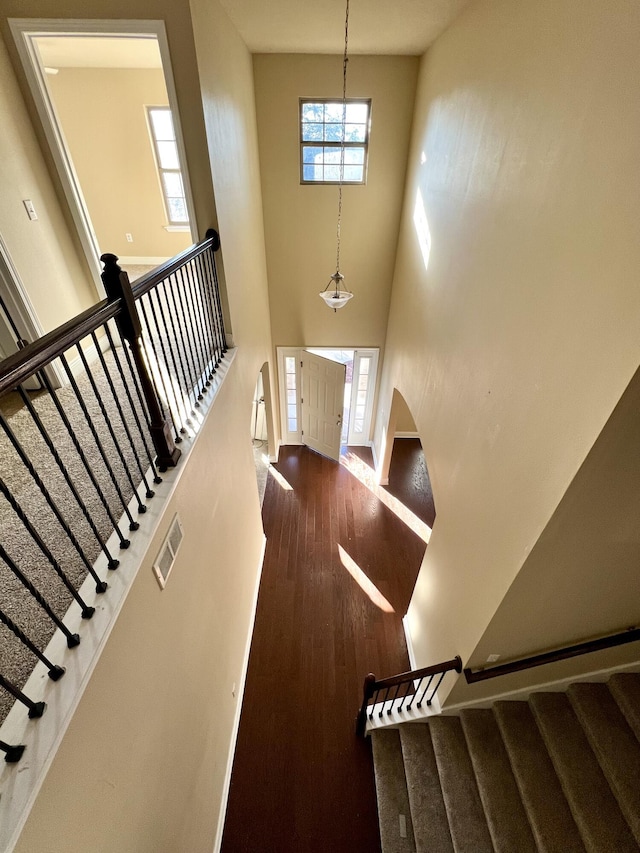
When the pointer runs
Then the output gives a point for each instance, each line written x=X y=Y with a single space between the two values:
x=125 y=424
x=199 y=335
x=395 y=696
x=216 y=353
x=83 y=458
x=151 y=340
x=87 y=612
x=188 y=335
x=214 y=248
x=133 y=525
x=163 y=347
x=374 y=702
x=63 y=470
x=419 y=703
x=73 y=640
x=134 y=411
x=384 y=701
x=179 y=339
x=101 y=586
x=55 y=672
x=213 y=305
x=171 y=340
x=406 y=693
x=200 y=277
x=416 y=691
x=36 y=709
x=435 y=689
x=12 y=753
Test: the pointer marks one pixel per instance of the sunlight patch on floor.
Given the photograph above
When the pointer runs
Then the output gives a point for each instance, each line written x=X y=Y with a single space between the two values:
x=366 y=585
x=367 y=477
x=280 y=480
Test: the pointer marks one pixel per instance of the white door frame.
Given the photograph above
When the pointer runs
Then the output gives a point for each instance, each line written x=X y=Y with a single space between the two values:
x=24 y=31
x=295 y=436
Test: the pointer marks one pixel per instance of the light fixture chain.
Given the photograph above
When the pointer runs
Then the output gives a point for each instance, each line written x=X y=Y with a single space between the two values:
x=345 y=60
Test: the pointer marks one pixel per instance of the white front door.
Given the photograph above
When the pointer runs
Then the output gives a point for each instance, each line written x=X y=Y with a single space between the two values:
x=322 y=403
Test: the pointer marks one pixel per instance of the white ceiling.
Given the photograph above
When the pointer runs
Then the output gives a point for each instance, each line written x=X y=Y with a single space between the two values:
x=72 y=51
x=317 y=26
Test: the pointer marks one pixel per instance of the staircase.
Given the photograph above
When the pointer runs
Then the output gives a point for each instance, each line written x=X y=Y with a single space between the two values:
x=557 y=774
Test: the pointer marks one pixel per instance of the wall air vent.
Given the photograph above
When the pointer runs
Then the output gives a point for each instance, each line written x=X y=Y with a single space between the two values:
x=163 y=563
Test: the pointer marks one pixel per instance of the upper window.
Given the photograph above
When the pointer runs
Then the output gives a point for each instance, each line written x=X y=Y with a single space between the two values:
x=324 y=127
x=166 y=151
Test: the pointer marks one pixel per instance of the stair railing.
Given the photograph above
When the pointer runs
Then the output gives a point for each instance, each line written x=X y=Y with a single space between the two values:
x=79 y=461
x=376 y=693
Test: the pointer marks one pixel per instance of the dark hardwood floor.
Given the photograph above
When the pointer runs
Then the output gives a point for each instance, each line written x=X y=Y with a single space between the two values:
x=409 y=479
x=302 y=782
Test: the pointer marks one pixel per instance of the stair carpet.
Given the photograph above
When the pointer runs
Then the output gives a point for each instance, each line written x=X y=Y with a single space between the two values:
x=557 y=774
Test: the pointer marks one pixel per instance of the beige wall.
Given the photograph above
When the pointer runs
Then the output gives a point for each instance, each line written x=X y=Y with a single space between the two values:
x=404 y=418
x=581 y=579
x=103 y=116
x=516 y=341
x=300 y=221
x=142 y=764
x=57 y=281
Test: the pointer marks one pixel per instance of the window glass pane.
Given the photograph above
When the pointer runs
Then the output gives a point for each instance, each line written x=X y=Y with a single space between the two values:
x=358 y=425
x=310 y=154
x=333 y=133
x=332 y=173
x=293 y=427
x=353 y=173
x=360 y=413
x=355 y=132
x=313 y=112
x=357 y=113
x=291 y=397
x=332 y=155
x=292 y=412
x=354 y=155
x=291 y=381
x=363 y=382
x=362 y=398
x=333 y=112
x=311 y=172
x=168 y=155
x=312 y=132
x=162 y=124
x=290 y=365
x=364 y=365
x=177 y=210
x=173 y=183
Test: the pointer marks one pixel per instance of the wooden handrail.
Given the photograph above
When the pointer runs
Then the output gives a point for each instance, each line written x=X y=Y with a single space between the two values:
x=21 y=365
x=631 y=635
x=454 y=664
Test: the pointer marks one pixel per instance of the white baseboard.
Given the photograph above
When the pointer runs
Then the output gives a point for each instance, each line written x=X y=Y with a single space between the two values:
x=236 y=722
x=406 y=435
x=558 y=686
x=407 y=636
x=140 y=260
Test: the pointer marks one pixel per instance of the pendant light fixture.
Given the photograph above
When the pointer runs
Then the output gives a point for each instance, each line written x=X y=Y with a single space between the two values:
x=335 y=294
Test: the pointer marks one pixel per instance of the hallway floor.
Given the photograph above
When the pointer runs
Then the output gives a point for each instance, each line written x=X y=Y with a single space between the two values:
x=302 y=782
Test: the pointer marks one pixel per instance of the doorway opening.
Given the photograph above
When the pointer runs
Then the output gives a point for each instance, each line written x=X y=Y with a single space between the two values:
x=361 y=367
x=107 y=103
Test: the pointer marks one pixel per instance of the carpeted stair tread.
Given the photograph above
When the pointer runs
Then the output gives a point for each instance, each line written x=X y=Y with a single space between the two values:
x=391 y=792
x=428 y=813
x=550 y=817
x=469 y=831
x=614 y=744
x=594 y=807
x=505 y=814
x=625 y=686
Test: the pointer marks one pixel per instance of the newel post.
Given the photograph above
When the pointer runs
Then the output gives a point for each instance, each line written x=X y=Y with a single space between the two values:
x=367 y=692
x=117 y=286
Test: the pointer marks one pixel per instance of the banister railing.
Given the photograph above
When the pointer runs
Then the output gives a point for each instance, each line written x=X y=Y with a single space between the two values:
x=376 y=699
x=78 y=461
x=630 y=635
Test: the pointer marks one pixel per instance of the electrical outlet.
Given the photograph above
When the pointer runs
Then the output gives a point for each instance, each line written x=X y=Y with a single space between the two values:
x=129 y=238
